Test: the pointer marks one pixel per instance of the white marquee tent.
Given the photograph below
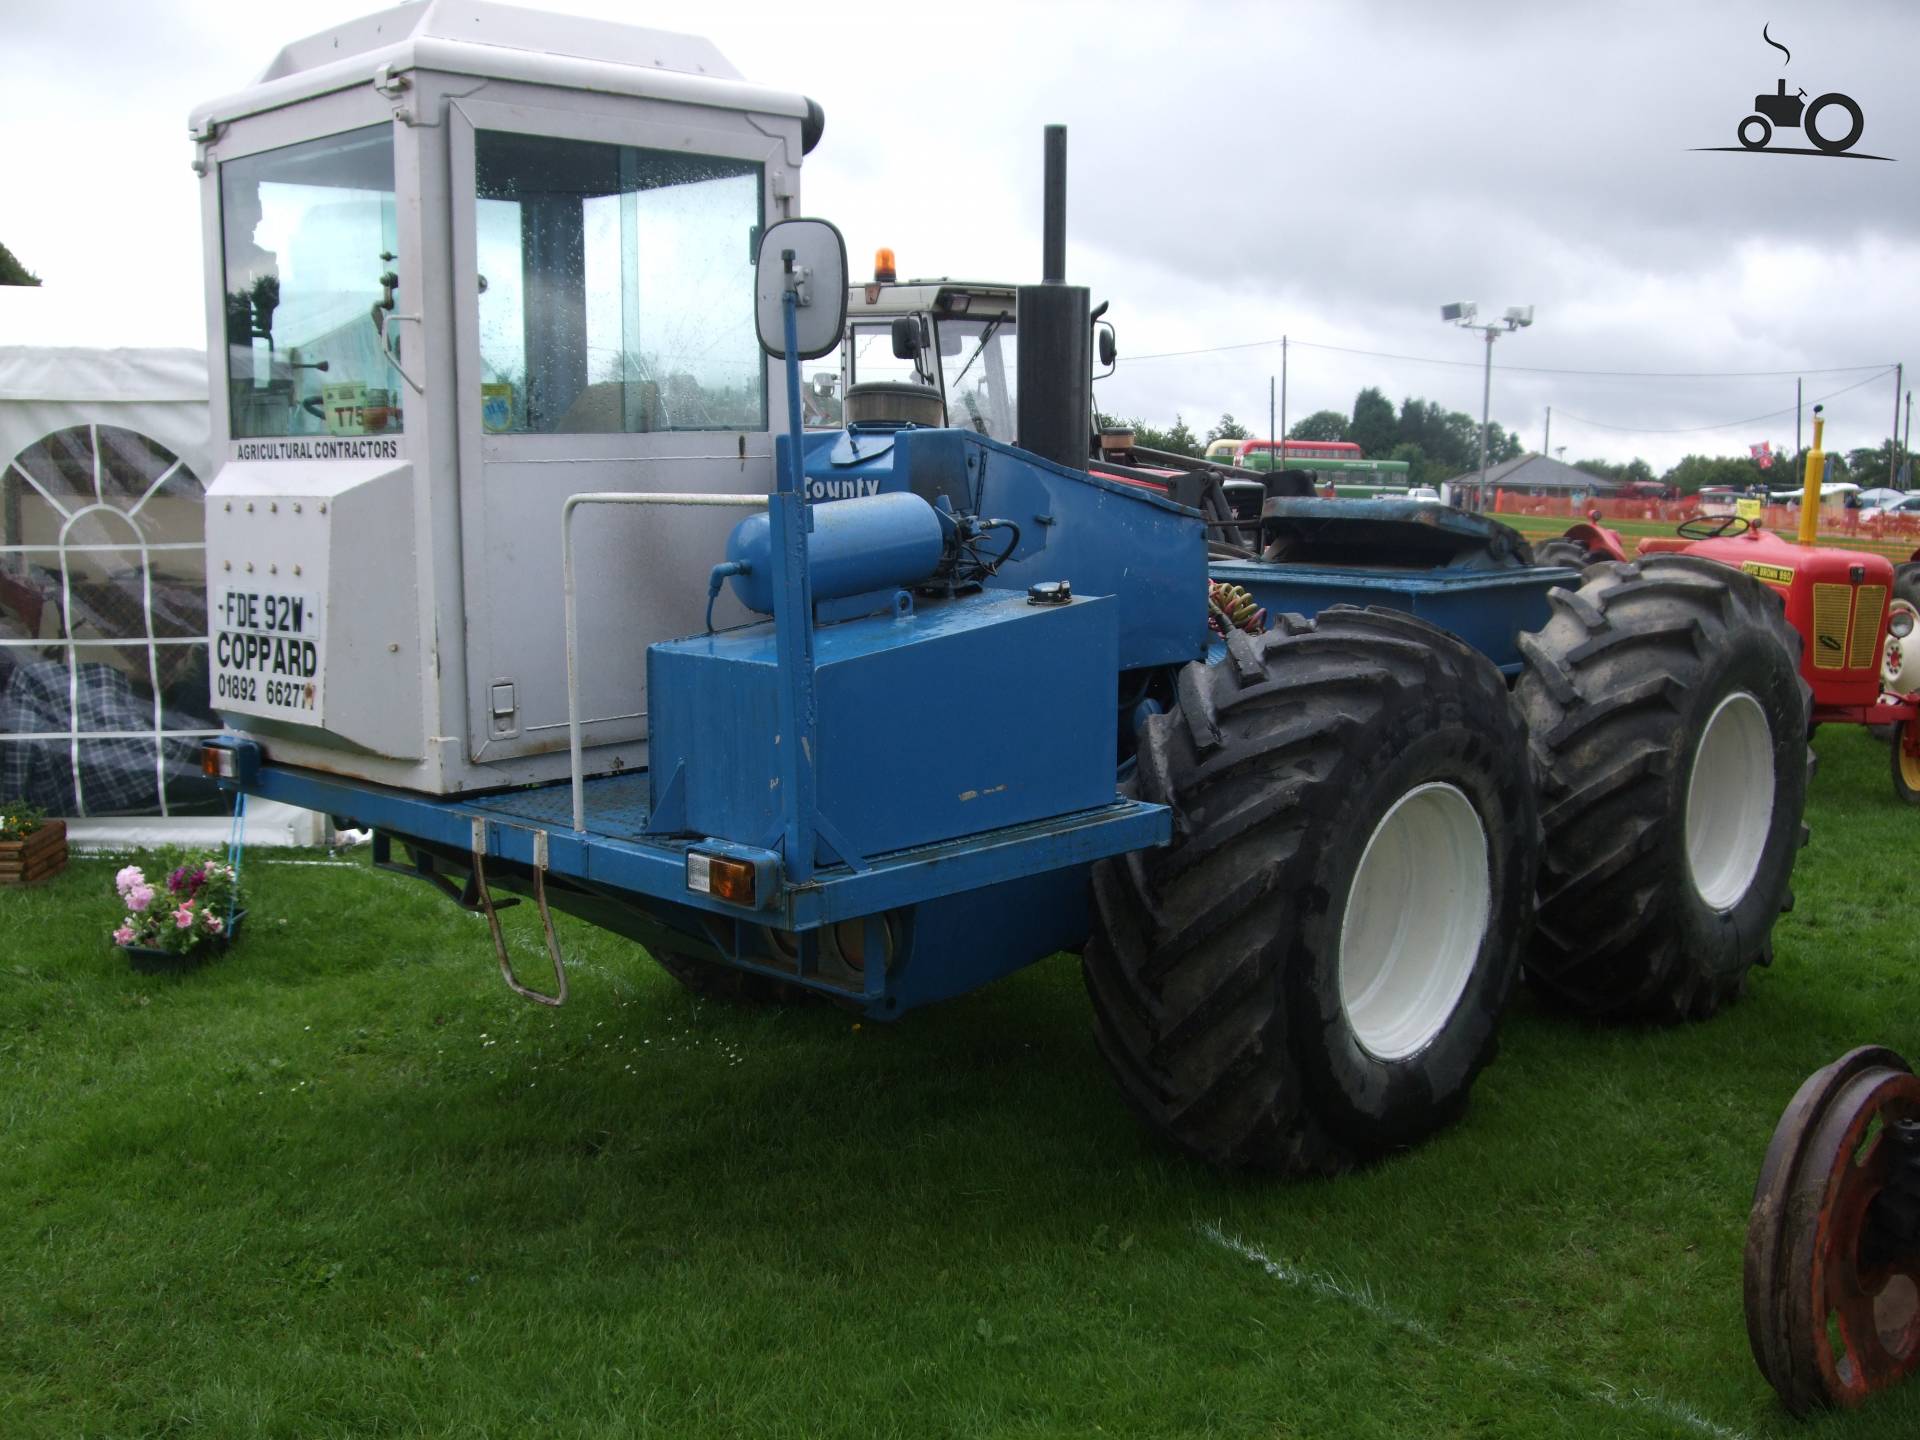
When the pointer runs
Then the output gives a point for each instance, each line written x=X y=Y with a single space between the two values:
x=103 y=695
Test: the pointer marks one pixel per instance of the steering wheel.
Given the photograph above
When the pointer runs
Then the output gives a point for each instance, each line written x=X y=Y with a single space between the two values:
x=1712 y=527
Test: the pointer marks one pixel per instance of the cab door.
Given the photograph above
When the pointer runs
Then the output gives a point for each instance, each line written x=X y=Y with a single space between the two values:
x=605 y=341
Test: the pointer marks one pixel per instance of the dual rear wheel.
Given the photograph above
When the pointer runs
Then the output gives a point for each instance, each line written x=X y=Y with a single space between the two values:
x=1373 y=836
x=1367 y=824
x=1313 y=971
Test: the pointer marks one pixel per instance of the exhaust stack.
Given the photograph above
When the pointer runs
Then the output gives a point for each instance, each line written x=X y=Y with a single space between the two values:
x=1055 y=370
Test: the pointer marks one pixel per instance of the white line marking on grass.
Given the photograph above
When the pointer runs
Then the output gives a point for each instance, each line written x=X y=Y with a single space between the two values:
x=1361 y=1298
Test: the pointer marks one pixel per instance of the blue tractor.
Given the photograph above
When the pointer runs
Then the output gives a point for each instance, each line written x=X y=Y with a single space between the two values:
x=1295 y=782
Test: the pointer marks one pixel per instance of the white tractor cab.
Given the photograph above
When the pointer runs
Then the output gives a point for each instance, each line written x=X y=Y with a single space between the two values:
x=944 y=352
x=953 y=339
x=466 y=261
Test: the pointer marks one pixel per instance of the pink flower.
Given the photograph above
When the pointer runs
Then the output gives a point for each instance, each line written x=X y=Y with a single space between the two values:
x=183 y=917
x=214 y=927
x=124 y=935
x=139 y=897
x=128 y=878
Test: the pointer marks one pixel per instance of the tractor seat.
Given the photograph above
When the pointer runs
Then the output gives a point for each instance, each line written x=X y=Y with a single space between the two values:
x=1660 y=545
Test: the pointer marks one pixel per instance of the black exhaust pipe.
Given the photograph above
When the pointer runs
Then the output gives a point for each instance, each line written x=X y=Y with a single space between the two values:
x=1053 y=218
x=1055 y=367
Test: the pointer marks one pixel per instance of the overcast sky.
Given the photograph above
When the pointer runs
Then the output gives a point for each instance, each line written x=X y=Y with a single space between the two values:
x=1331 y=172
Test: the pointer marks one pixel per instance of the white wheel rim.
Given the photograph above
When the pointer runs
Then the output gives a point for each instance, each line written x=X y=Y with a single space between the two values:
x=1416 y=915
x=1730 y=800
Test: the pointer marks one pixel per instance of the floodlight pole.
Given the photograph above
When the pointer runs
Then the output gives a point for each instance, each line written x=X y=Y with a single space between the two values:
x=1486 y=422
x=1463 y=315
x=1899 y=376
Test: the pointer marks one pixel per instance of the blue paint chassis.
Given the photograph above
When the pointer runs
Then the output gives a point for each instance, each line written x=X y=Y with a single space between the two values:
x=1489 y=609
x=945 y=915
x=1023 y=887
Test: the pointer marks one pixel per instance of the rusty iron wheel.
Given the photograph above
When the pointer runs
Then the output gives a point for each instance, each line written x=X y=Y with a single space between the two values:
x=1831 y=1318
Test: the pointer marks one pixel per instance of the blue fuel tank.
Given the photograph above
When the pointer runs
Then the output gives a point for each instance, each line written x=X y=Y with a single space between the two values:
x=874 y=542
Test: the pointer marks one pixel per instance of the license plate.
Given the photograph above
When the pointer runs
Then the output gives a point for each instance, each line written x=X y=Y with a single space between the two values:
x=267 y=654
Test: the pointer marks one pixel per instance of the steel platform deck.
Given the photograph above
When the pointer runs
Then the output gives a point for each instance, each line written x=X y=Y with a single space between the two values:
x=616 y=806
x=615 y=854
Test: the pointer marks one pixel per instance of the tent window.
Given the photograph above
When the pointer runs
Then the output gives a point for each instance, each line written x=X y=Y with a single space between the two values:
x=103 y=625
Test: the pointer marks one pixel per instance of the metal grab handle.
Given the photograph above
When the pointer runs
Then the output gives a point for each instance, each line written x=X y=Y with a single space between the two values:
x=540 y=903
x=612 y=497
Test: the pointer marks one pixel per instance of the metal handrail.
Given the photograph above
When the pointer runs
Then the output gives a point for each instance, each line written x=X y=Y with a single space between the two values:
x=612 y=497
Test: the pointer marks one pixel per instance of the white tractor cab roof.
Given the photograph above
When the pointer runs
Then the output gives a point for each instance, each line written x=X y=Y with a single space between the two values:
x=959 y=341
x=502 y=42
x=464 y=261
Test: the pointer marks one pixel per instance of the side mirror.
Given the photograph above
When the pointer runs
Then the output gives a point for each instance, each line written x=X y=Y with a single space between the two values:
x=906 y=337
x=1109 y=349
x=810 y=257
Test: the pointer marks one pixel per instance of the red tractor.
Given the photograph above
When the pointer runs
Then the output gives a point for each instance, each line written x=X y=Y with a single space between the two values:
x=1856 y=613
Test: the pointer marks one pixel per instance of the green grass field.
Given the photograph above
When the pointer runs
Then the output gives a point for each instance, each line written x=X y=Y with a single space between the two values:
x=342 y=1184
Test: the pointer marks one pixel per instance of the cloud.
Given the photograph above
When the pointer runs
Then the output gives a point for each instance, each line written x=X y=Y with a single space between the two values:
x=1327 y=171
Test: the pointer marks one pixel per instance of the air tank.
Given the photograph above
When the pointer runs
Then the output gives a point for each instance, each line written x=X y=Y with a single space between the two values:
x=871 y=542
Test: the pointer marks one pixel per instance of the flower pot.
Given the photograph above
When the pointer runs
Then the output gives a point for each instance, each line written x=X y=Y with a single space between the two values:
x=151 y=960
x=35 y=858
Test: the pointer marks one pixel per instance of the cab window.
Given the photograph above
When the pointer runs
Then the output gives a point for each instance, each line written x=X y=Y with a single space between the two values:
x=616 y=288
x=307 y=233
x=872 y=358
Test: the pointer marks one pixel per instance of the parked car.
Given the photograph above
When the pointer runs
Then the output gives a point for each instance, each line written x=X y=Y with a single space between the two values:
x=1879 y=497
x=1907 y=507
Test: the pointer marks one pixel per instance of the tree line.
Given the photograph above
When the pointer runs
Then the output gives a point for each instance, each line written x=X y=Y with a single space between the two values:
x=1439 y=444
x=1436 y=443
x=12 y=272
x=1865 y=466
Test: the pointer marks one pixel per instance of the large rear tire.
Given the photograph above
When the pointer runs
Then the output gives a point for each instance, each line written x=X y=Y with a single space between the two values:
x=1562 y=551
x=1668 y=725
x=1313 y=971
x=1897 y=666
x=1906 y=583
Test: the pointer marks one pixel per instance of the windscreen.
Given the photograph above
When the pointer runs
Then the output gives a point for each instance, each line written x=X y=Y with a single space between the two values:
x=977 y=369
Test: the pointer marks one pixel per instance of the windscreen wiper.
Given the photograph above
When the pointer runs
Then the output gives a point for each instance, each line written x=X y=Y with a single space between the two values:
x=985 y=335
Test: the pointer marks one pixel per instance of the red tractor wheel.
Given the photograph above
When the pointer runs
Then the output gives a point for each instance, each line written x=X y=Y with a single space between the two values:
x=1906 y=761
x=1832 y=1272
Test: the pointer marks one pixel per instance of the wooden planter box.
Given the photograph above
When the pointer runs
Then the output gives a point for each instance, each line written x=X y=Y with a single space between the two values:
x=41 y=854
